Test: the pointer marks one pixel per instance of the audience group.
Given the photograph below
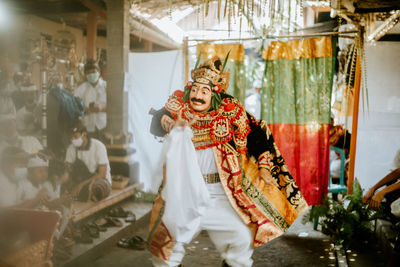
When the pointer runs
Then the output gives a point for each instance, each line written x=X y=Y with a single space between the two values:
x=32 y=176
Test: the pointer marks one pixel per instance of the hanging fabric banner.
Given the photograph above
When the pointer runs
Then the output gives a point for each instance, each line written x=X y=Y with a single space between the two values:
x=295 y=102
x=237 y=81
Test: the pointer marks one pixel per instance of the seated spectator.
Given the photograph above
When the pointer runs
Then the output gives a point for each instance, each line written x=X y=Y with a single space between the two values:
x=340 y=138
x=31 y=193
x=28 y=121
x=391 y=192
x=12 y=169
x=58 y=176
x=89 y=166
x=9 y=137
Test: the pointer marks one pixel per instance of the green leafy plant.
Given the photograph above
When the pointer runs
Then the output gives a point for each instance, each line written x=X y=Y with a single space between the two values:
x=347 y=222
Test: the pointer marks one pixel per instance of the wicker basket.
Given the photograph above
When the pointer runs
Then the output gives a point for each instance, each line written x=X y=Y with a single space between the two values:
x=33 y=255
x=120 y=184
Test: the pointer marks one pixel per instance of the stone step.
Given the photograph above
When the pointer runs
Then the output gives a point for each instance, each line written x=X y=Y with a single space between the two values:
x=84 y=254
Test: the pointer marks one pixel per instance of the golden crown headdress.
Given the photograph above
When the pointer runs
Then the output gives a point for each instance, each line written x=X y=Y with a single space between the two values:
x=211 y=72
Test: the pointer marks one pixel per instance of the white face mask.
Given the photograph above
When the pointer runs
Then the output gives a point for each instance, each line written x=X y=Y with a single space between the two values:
x=20 y=173
x=77 y=142
x=92 y=77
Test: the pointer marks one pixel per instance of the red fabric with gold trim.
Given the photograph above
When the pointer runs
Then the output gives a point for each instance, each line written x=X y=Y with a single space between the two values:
x=264 y=160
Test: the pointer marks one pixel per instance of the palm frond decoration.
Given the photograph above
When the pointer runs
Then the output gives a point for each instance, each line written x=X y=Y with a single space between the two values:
x=225 y=61
x=197 y=61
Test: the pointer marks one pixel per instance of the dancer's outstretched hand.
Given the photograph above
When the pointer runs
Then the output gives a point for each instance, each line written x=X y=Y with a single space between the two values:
x=180 y=122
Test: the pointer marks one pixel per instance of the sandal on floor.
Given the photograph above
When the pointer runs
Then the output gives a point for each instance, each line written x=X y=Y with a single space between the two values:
x=92 y=231
x=98 y=227
x=119 y=212
x=61 y=255
x=82 y=237
x=101 y=222
x=111 y=222
x=131 y=218
x=65 y=242
x=135 y=242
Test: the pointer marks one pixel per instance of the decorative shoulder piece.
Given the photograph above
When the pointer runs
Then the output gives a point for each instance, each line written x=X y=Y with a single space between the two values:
x=175 y=103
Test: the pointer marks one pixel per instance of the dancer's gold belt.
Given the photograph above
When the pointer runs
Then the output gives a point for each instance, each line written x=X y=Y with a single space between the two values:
x=212 y=178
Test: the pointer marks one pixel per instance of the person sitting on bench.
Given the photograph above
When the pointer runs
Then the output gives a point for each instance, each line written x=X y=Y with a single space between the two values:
x=31 y=194
x=89 y=166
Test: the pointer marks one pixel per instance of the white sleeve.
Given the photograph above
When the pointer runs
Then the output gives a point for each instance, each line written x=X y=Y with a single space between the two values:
x=103 y=95
x=101 y=154
x=79 y=90
x=36 y=145
x=71 y=155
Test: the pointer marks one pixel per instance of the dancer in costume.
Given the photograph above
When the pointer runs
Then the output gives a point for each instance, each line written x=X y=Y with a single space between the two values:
x=253 y=197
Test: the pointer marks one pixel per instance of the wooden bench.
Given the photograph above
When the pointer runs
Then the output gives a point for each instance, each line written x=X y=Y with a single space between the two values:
x=81 y=210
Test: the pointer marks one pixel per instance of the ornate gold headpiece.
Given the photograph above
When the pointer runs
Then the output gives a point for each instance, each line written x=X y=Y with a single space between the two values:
x=211 y=72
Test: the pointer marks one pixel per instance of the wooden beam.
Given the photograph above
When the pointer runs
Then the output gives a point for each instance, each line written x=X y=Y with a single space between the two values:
x=367 y=6
x=354 y=127
x=91 y=36
x=390 y=38
x=48 y=7
x=100 y=11
x=186 y=57
x=156 y=37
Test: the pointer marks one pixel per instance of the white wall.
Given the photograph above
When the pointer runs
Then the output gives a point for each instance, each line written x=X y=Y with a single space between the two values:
x=379 y=129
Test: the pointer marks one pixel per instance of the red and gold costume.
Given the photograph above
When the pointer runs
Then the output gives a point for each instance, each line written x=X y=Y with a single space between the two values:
x=241 y=145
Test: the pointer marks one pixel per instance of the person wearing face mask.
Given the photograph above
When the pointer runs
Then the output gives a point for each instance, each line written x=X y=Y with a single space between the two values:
x=94 y=96
x=89 y=166
x=31 y=193
x=12 y=170
x=9 y=136
x=28 y=121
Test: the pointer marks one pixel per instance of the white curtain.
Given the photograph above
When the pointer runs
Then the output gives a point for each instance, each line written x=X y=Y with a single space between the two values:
x=151 y=79
x=379 y=127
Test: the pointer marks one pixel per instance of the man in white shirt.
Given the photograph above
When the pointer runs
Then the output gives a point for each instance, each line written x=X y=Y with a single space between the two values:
x=31 y=193
x=10 y=137
x=94 y=95
x=28 y=122
x=89 y=165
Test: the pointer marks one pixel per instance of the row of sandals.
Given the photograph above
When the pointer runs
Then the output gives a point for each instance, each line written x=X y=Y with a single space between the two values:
x=89 y=231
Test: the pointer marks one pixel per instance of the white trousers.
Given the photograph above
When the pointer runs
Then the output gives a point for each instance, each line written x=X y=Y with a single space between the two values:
x=230 y=235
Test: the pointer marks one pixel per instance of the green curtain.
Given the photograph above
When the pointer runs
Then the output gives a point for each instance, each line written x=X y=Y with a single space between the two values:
x=295 y=102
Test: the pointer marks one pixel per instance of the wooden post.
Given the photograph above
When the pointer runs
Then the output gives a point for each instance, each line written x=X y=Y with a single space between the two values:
x=186 y=57
x=91 y=35
x=148 y=46
x=354 y=127
x=43 y=83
